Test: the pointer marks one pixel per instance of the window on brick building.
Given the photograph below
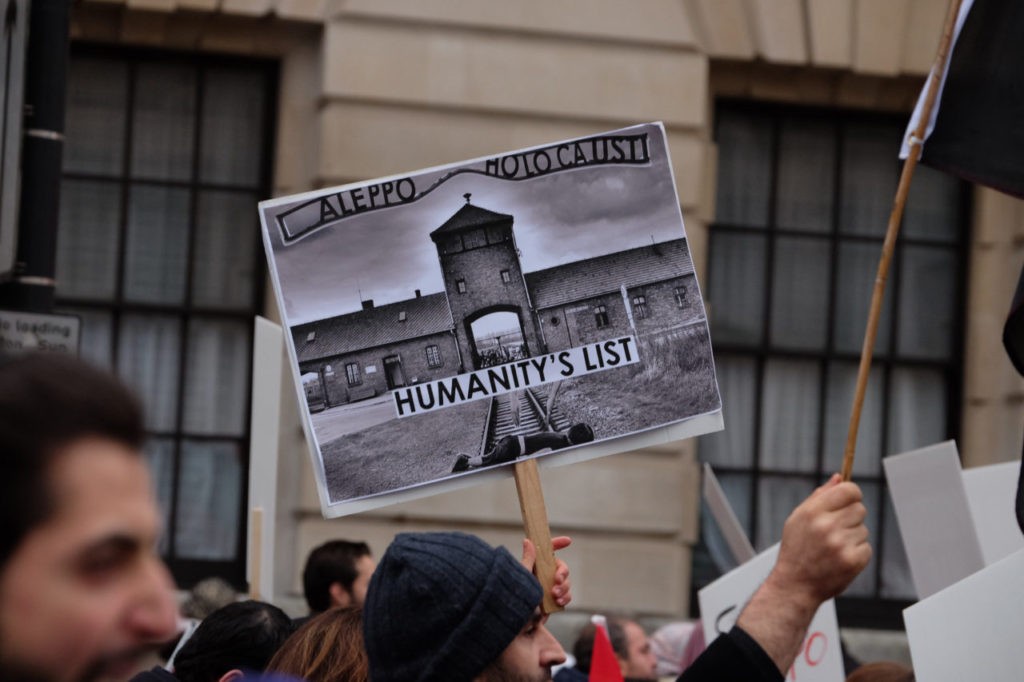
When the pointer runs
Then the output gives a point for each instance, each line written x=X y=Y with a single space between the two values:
x=640 y=306
x=460 y=286
x=433 y=356
x=680 y=295
x=601 y=316
x=506 y=277
x=352 y=374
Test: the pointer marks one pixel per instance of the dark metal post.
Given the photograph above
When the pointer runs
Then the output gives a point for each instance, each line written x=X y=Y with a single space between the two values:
x=31 y=287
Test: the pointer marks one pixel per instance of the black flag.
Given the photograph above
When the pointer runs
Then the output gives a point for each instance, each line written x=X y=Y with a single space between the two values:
x=979 y=119
x=978 y=130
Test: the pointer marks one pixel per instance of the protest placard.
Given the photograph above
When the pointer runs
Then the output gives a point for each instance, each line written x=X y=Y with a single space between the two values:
x=971 y=630
x=487 y=308
x=267 y=384
x=991 y=491
x=933 y=515
x=725 y=518
x=820 y=658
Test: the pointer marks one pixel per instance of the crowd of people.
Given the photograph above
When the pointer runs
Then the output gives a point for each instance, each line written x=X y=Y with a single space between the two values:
x=84 y=595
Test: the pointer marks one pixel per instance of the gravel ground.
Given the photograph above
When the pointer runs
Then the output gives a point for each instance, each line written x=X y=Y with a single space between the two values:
x=402 y=452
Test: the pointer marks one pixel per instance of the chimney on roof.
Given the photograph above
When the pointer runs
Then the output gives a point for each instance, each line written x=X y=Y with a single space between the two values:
x=657 y=249
x=418 y=293
x=368 y=304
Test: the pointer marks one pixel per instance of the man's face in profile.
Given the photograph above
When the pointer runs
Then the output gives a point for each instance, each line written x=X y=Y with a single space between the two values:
x=529 y=657
x=641 y=664
x=84 y=593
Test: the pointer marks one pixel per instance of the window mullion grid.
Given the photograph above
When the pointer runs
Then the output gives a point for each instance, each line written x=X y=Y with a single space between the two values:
x=887 y=364
x=883 y=488
x=122 y=228
x=183 y=314
x=826 y=355
x=765 y=342
x=259 y=279
x=827 y=361
x=162 y=182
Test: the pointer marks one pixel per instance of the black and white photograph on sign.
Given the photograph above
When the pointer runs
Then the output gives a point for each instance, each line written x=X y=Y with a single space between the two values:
x=454 y=320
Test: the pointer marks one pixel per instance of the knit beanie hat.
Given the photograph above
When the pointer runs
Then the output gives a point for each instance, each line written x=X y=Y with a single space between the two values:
x=443 y=606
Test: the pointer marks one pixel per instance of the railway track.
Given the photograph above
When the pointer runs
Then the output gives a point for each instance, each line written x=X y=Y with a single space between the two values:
x=534 y=415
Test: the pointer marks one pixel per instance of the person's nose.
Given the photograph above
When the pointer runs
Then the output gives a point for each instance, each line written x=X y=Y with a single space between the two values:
x=652 y=662
x=154 y=612
x=551 y=652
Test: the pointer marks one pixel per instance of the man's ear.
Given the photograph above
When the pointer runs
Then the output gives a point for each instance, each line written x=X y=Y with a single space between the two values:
x=231 y=675
x=339 y=595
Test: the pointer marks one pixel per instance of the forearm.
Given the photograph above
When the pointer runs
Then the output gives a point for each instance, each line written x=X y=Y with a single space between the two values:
x=777 y=618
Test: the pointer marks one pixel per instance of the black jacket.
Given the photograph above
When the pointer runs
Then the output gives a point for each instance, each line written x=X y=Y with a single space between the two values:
x=733 y=657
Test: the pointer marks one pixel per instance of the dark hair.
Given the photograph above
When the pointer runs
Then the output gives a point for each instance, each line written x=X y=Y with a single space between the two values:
x=240 y=636
x=48 y=402
x=580 y=433
x=882 y=671
x=583 y=649
x=331 y=562
x=327 y=648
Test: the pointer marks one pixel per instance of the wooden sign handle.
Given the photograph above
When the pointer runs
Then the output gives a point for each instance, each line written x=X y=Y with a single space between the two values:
x=535 y=523
x=255 y=550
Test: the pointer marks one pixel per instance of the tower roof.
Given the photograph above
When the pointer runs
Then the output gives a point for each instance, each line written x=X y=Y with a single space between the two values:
x=470 y=216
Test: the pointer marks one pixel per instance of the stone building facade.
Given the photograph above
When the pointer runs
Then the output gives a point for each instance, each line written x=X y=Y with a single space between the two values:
x=369 y=88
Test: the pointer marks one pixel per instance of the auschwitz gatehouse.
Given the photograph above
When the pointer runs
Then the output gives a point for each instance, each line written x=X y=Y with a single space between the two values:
x=641 y=291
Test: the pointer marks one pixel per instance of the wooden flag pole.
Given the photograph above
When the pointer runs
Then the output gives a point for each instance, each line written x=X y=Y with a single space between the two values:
x=535 y=522
x=895 y=217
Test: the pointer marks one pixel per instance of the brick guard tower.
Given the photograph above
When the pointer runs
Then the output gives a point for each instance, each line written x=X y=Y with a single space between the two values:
x=482 y=275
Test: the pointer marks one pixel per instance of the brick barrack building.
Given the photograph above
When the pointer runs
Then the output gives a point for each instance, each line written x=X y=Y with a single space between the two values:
x=646 y=290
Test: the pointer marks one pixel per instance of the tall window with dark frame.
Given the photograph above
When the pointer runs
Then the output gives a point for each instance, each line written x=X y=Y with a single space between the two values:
x=158 y=253
x=433 y=356
x=802 y=206
x=601 y=316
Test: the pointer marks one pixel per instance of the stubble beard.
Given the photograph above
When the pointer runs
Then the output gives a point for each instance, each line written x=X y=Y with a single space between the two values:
x=13 y=670
x=498 y=673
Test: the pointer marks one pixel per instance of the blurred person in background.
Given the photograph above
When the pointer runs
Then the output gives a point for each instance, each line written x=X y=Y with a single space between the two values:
x=633 y=652
x=237 y=639
x=328 y=648
x=336 y=573
x=676 y=646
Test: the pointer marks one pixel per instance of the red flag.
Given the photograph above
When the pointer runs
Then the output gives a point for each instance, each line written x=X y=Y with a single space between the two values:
x=604 y=666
